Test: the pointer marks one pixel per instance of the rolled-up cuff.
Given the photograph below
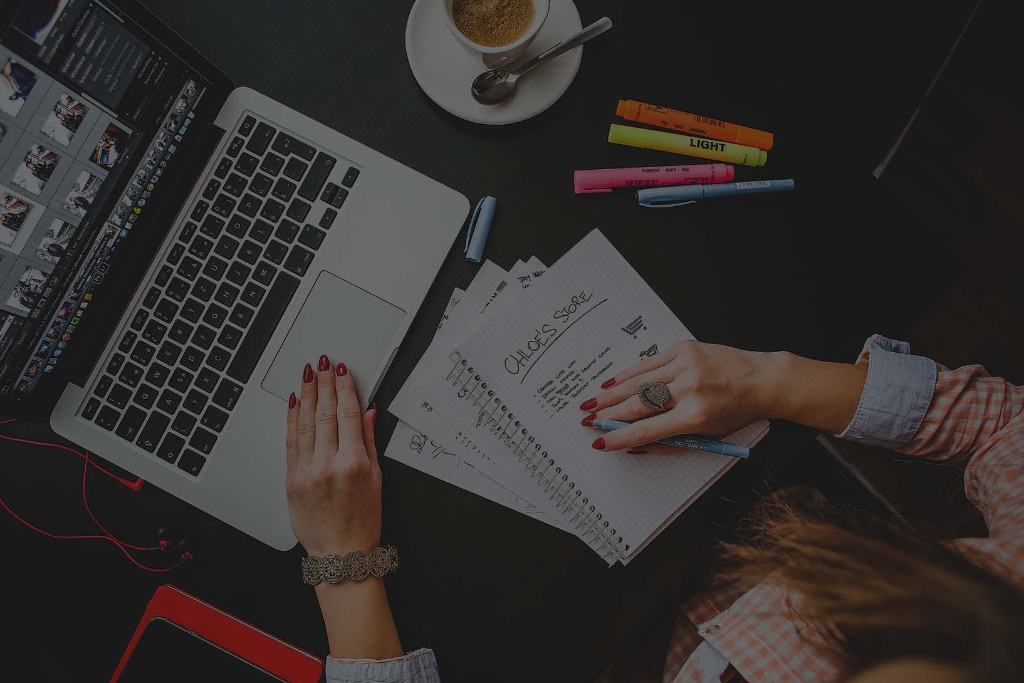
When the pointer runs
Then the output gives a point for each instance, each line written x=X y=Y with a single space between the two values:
x=896 y=395
x=415 y=667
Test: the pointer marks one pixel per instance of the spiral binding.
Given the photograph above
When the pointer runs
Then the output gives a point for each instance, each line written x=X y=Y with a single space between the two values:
x=583 y=519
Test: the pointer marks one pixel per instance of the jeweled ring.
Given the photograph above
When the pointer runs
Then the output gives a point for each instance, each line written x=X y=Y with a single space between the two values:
x=654 y=395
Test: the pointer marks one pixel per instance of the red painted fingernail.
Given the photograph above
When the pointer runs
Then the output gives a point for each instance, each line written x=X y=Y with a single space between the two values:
x=609 y=384
x=589 y=404
x=587 y=421
x=325 y=363
x=342 y=370
x=637 y=452
x=599 y=444
x=373 y=418
x=307 y=374
x=291 y=401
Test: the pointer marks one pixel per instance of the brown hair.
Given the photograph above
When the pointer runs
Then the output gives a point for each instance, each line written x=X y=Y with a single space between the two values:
x=873 y=590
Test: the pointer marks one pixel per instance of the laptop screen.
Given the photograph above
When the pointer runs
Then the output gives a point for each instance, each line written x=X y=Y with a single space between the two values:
x=95 y=118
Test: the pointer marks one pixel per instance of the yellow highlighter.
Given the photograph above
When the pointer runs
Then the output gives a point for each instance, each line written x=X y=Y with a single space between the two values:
x=728 y=152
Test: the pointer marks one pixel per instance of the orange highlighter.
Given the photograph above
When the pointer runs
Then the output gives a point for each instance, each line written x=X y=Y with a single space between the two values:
x=692 y=124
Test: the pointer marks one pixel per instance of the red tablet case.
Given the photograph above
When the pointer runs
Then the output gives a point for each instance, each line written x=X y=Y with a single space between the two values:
x=231 y=633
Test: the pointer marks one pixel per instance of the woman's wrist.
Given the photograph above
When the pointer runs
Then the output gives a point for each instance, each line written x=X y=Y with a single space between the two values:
x=773 y=394
x=813 y=393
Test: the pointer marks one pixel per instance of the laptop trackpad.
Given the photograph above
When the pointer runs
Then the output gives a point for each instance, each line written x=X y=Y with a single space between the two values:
x=348 y=324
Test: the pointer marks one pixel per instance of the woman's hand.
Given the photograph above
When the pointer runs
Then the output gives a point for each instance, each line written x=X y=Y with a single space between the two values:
x=333 y=481
x=715 y=391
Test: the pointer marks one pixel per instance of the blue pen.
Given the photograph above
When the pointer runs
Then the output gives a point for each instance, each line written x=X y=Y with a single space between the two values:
x=669 y=197
x=697 y=443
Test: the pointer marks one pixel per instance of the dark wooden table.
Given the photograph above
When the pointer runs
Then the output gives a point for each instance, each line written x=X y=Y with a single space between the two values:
x=500 y=597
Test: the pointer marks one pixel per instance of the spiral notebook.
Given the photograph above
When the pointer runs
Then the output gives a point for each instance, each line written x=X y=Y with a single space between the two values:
x=514 y=388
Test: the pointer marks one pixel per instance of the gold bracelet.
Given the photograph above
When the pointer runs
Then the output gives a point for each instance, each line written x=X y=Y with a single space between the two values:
x=355 y=566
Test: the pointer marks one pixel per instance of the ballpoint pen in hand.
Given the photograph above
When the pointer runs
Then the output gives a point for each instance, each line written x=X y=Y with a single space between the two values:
x=691 y=441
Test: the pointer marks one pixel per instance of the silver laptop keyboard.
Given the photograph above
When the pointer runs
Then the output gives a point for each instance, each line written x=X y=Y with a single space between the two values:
x=214 y=301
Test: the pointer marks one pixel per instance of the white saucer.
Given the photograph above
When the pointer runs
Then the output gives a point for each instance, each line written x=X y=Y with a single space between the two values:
x=444 y=68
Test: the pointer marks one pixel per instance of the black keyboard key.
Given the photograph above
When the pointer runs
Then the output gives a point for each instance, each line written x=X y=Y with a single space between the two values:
x=285 y=144
x=191 y=310
x=317 y=176
x=250 y=205
x=264 y=273
x=227 y=394
x=215 y=268
x=131 y=375
x=284 y=189
x=200 y=210
x=204 y=336
x=165 y=310
x=246 y=164
x=229 y=336
x=145 y=396
x=263 y=327
x=119 y=396
x=168 y=401
x=200 y=248
x=195 y=402
x=127 y=342
x=238 y=226
x=261 y=231
x=207 y=380
x=178 y=289
x=260 y=139
x=298 y=260
x=181 y=380
x=218 y=358
x=107 y=418
x=214 y=419
x=275 y=252
x=171 y=447
x=272 y=210
x=238 y=273
x=222 y=168
x=298 y=210
x=153 y=432
x=180 y=331
x=295 y=169
x=227 y=293
x=240 y=315
x=246 y=126
x=183 y=423
x=187 y=232
x=154 y=332
x=175 y=255
x=211 y=190
x=215 y=316
x=152 y=296
x=157 y=374
x=164 y=275
x=329 y=193
x=327 y=220
x=235 y=147
x=250 y=252
x=103 y=386
x=191 y=462
x=350 y=177
x=287 y=231
x=115 y=364
x=272 y=164
x=235 y=184
x=212 y=226
x=131 y=423
x=261 y=184
x=253 y=294
x=189 y=268
x=312 y=237
x=339 y=199
x=192 y=358
x=169 y=353
x=143 y=353
x=91 y=407
x=203 y=289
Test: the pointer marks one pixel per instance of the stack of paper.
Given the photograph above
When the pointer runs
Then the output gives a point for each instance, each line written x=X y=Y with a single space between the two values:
x=493 y=405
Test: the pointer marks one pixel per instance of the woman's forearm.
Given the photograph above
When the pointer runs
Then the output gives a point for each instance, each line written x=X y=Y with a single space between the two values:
x=358 y=620
x=813 y=393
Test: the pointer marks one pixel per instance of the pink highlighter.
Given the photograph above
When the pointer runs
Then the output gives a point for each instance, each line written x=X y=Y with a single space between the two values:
x=606 y=179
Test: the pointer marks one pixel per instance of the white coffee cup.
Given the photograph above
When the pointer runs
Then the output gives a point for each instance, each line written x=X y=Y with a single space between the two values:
x=497 y=57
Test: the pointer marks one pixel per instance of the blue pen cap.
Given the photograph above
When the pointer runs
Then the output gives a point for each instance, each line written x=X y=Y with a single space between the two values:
x=479 y=229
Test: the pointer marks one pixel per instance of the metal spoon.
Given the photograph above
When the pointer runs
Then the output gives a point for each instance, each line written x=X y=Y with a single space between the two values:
x=494 y=87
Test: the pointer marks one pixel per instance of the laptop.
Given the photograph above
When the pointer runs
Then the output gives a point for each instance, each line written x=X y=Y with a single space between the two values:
x=173 y=250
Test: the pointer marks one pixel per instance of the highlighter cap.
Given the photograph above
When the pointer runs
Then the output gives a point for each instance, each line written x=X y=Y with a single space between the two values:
x=730 y=173
x=598 y=181
x=755 y=138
